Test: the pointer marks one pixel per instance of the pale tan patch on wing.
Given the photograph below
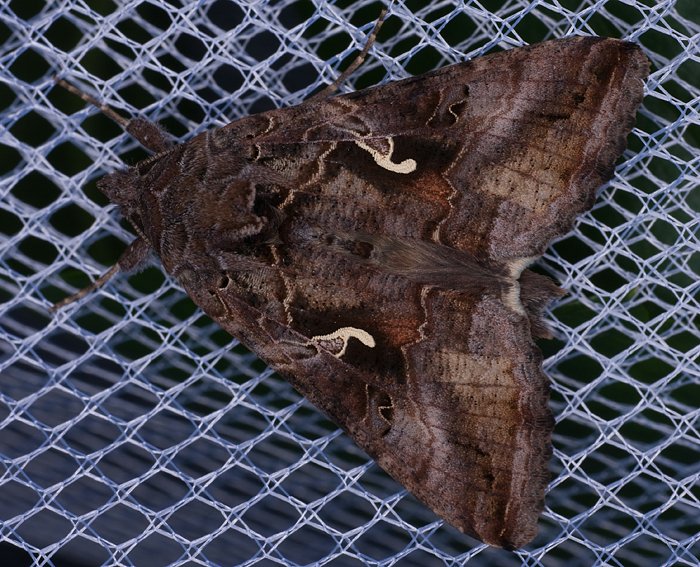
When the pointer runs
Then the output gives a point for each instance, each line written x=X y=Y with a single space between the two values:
x=483 y=389
x=384 y=160
x=473 y=371
x=337 y=341
x=518 y=181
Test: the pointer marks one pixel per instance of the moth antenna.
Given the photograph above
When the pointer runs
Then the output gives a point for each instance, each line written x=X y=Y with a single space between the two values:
x=133 y=257
x=106 y=110
x=333 y=87
x=98 y=283
x=147 y=133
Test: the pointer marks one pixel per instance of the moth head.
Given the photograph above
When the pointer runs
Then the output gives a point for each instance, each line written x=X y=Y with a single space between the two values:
x=123 y=188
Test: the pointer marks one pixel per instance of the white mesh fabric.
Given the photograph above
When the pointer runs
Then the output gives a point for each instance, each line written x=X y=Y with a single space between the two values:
x=133 y=431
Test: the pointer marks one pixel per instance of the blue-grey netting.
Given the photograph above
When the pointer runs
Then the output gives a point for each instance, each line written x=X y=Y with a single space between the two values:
x=133 y=431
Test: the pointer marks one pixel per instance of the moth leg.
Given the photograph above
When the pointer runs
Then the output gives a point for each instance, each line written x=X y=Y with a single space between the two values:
x=148 y=134
x=135 y=256
x=330 y=89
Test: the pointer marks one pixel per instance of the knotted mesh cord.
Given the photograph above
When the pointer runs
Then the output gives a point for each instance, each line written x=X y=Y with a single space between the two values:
x=135 y=431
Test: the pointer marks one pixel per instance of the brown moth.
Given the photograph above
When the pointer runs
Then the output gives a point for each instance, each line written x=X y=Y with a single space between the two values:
x=373 y=249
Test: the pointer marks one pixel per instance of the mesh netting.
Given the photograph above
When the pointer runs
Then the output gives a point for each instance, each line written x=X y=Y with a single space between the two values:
x=135 y=431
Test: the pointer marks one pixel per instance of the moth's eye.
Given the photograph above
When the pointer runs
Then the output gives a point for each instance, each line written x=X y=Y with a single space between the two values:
x=223 y=281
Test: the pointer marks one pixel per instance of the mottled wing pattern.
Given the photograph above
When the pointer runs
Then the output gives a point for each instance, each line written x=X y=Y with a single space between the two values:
x=369 y=246
x=517 y=139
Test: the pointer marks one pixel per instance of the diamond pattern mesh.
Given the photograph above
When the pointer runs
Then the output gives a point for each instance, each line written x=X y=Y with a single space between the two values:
x=133 y=431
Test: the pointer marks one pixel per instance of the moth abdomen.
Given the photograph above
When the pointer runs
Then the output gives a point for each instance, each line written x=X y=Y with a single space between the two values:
x=429 y=263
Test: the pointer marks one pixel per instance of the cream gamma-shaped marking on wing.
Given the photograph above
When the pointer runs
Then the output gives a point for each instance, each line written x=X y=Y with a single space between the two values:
x=406 y=166
x=344 y=334
x=512 y=297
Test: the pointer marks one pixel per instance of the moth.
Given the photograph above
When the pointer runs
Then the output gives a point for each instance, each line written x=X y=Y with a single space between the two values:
x=373 y=248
